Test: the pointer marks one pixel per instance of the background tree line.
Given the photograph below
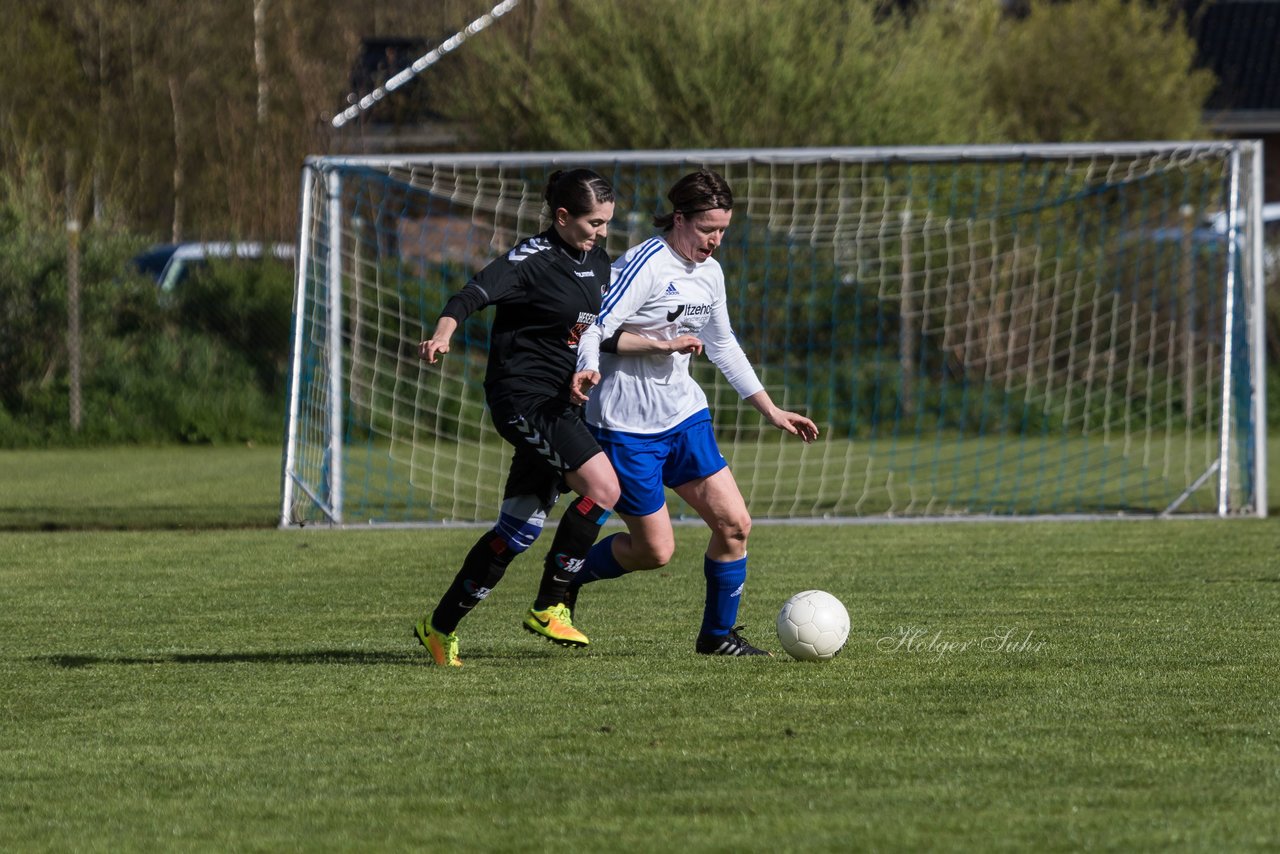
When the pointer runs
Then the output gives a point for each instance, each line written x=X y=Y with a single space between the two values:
x=180 y=119
x=151 y=120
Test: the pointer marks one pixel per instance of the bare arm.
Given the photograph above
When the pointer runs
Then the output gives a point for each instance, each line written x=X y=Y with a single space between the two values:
x=792 y=422
x=630 y=344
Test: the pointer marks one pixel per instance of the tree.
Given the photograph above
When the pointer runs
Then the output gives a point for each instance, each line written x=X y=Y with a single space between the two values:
x=667 y=73
x=1100 y=70
x=246 y=87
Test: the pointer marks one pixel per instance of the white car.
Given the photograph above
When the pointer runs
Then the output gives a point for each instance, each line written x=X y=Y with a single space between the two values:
x=1270 y=235
x=170 y=263
x=1212 y=232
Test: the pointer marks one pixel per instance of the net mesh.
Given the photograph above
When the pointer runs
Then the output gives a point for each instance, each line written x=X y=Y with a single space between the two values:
x=999 y=333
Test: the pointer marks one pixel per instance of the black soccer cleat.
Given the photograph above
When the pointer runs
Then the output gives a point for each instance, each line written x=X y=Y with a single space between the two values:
x=730 y=644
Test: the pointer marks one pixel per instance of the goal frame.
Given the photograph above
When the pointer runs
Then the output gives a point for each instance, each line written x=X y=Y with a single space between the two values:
x=325 y=173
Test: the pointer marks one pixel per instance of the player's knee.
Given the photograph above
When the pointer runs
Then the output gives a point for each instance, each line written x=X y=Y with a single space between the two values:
x=601 y=484
x=606 y=493
x=596 y=480
x=735 y=530
x=520 y=521
x=652 y=555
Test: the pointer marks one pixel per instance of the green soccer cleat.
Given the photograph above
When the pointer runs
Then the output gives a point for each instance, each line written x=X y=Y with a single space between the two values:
x=556 y=625
x=443 y=648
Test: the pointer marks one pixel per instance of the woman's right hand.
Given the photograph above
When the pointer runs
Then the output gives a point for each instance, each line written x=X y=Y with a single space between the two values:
x=438 y=344
x=581 y=384
x=431 y=348
x=685 y=344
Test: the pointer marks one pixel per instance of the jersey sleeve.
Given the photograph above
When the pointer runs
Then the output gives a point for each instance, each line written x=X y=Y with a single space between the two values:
x=498 y=281
x=725 y=352
x=466 y=301
x=589 y=349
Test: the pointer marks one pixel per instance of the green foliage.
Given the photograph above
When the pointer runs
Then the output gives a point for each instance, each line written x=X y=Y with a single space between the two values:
x=1104 y=70
x=248 y=307
x=206 y=367
x=668 y=74
x=33 y=304
x=1272 y=298
x=149 y=112
x=720 y=73
x=159 y=112
x=178 y=385
x=178 y=118
x=45 y=112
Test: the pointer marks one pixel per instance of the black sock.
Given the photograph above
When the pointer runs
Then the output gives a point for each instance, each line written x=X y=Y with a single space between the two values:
x=483 y=568
x=575 y=535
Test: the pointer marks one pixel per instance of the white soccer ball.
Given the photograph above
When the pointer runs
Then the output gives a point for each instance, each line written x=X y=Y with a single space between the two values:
x=813 y=626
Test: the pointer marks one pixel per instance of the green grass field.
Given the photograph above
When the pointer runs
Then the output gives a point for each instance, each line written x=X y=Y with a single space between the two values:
x=199 y=684
x=429 y=479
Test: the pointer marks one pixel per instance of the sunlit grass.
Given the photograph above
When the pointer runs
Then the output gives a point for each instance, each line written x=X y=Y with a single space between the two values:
x=1029 y=687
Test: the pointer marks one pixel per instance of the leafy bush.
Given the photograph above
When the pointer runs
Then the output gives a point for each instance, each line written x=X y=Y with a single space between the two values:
x=205 y=366
x=674 y=74
x=1101 y=70
x=247 y=306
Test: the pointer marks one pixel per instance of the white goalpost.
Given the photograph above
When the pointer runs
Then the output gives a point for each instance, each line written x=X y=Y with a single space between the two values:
x=988 y=331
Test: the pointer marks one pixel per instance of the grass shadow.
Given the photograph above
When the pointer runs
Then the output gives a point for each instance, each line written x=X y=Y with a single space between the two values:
x=412 y=658
x=73 y=661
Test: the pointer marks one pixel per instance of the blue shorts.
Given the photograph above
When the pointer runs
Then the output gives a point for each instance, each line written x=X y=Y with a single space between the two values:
x=646 y=463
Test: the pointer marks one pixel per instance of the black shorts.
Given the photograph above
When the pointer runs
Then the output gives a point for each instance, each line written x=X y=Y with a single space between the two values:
x=550 y=439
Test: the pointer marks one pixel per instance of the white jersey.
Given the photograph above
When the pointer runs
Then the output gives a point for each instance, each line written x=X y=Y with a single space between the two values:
x=657 y=294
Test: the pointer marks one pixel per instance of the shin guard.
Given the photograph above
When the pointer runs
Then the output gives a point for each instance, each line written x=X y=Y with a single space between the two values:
x=725 y=581
x=481 y=571
x=574 y=537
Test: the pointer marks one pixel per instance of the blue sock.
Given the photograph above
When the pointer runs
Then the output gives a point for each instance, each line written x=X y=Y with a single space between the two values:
x=600 y=563
x=724 y=592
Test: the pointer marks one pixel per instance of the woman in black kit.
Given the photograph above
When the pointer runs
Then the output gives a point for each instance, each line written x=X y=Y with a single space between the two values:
x=547 y=291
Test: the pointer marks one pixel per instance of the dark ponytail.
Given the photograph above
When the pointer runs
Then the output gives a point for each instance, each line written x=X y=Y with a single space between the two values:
x=694 y=193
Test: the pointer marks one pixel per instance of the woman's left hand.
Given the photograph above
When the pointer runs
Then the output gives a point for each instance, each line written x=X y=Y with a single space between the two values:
x=795 y=424
x=581 y=384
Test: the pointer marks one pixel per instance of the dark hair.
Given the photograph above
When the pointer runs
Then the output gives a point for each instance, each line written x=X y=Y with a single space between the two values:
x=577 y=191
x=694 y=193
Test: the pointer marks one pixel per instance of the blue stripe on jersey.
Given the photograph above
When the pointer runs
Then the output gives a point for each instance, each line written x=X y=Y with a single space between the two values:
x=628 y=274
x=629 y=271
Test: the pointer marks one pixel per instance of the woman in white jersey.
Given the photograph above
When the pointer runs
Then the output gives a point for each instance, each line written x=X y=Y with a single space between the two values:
x=665 y=305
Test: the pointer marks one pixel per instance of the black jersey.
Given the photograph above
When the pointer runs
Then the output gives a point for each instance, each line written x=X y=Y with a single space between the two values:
x=547 y=294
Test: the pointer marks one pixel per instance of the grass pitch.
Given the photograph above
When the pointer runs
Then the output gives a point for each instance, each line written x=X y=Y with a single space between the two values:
x=1049 y=686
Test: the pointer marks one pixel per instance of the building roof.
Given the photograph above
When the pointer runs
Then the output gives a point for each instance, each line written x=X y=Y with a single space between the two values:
x=1239 y=41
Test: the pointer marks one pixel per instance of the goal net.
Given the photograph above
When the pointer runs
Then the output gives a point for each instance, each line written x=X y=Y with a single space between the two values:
x=989 y=331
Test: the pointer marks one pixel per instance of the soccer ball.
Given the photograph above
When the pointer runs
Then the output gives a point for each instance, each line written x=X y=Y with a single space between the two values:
x=813 y=626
